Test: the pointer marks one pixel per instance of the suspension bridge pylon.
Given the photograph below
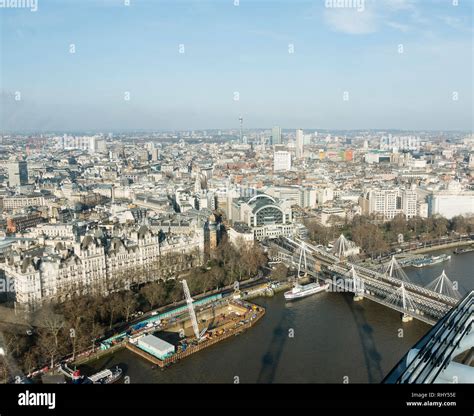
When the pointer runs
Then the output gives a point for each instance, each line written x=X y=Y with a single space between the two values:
x=344 y=248
x=444 y=286
x=302 y=260
x=395 y=271
x=357 y=285
x=401 y=300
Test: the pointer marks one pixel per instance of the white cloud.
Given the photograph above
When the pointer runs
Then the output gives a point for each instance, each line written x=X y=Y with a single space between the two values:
x=398 y=5
x=399 y=26
x=351 y=21
x=401 y=15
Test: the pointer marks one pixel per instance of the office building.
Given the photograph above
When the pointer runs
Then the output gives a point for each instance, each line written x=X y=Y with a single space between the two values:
x=276 y=135
x=299 y=143
x=388 y=203
x=17 y=173
x=451 y=203
x=281 y=161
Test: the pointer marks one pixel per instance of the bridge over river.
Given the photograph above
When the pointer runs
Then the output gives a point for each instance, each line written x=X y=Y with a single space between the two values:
x=391 y=287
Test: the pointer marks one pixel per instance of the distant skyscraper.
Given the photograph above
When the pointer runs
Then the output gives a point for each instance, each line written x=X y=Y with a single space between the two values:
x=276 y=135
x=299 y=144
x=281 y=161
x=17 y=173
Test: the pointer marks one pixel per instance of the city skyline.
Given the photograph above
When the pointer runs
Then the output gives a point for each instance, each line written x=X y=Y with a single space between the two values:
x=201 y=65
x=222 y=192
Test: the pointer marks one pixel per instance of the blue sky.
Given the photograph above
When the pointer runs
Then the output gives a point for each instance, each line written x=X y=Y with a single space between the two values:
x=244 y=49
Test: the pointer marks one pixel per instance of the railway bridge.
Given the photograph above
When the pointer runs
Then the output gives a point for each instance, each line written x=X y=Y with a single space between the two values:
x=391 y=287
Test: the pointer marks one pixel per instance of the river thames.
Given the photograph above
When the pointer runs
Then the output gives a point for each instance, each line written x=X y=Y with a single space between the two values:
x=325 y=338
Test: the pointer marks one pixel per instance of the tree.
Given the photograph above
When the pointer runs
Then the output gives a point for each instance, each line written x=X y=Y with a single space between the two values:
x=440 y=226
x=252 y=258
x=111 y=308
x=90 y=317
x=318 y=233
x=174 y=290
x=30 y=360
x=217 y=277
x=52 y=321
x=280 y=272
x=129 y=304
x=398 y=225
x=154 y=293
x=417 y=226
x=369 y=238
x=47 y=345
x=460 y=224
x=4 y=373
x=74 y=314
x=14 y=343
x=225 y=252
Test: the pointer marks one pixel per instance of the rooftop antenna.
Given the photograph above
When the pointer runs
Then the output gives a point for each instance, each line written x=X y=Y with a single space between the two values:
x=241 y=120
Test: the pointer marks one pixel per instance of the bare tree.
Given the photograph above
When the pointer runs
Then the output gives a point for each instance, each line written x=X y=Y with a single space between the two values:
x=52 y=321
x=129 y=304
x=47 y=345
x=280 y=272
x=154 y=293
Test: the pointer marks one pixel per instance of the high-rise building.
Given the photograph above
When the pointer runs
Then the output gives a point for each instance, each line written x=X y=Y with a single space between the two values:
x=281 y=161
x=471 y=161
x=241 y=120
x=409 y=202
x=299 y=143
x=389 y=202
x=276 y=135
x=17 y=173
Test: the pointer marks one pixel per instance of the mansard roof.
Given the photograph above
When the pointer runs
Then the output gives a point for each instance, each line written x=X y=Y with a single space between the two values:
x=88 y=240
x=143 y=231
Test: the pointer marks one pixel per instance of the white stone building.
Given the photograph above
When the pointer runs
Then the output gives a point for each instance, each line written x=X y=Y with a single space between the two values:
x=99 y=263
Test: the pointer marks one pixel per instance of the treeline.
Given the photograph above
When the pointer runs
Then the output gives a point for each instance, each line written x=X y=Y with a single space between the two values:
x=72 y=326
x=376 y=237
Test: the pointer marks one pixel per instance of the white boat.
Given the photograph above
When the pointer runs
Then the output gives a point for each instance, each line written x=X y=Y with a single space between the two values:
x=300 y=291
x=106 y=376
x=430 y=261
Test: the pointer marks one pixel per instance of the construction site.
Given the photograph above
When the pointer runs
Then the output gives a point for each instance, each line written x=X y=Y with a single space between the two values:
x=166 y=338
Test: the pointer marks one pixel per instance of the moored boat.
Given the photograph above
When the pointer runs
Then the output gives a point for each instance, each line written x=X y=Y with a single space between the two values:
x=300 y=291
x=430 y=261
x=108 y=376
x=463 y=250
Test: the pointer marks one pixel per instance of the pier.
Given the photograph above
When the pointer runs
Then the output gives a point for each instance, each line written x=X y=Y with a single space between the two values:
x=222 y=320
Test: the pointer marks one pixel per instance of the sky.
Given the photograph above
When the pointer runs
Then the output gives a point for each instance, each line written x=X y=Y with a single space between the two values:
x=189 y=64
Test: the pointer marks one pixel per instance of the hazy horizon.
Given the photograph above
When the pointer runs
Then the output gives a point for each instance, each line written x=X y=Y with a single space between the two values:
x=198 y=65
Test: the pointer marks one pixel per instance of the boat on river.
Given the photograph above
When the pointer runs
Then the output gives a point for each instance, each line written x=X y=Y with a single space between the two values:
x=431 y=261
x=301 y=291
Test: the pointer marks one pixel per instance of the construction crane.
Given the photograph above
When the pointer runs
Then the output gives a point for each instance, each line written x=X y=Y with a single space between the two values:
x=192 y=314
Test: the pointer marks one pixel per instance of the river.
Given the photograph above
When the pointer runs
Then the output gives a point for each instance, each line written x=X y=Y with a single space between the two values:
x=325 y=338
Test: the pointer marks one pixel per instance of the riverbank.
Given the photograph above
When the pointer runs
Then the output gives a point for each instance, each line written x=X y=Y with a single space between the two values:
x=232 y=319
x=432 y=249
x=218 y=319
x=334 y=339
